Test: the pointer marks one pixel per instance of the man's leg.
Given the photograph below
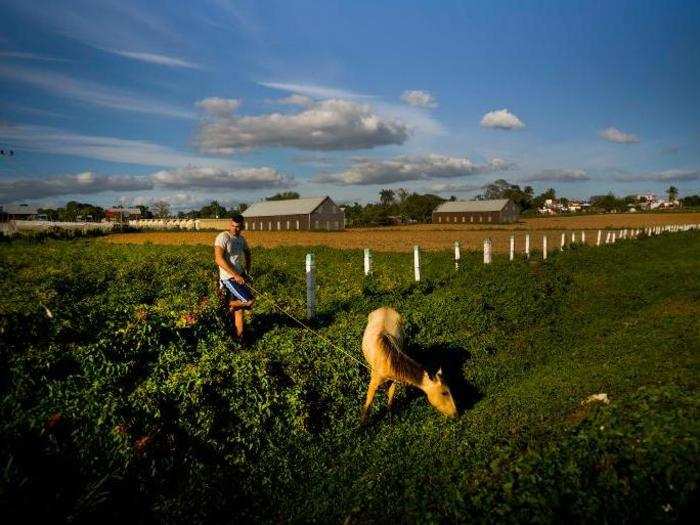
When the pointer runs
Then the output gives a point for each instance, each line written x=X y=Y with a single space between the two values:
x=235 y=308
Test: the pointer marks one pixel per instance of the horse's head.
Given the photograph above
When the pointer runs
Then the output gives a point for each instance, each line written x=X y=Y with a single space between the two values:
x=439 y=395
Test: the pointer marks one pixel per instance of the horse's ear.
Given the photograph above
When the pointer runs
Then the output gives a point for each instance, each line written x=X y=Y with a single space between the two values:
x=438 y=375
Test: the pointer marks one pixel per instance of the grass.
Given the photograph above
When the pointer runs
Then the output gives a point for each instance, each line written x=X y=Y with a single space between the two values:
x=146 y=417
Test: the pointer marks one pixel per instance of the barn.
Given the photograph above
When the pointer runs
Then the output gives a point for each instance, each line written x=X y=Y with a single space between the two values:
x=458 y=212
x=312 y=213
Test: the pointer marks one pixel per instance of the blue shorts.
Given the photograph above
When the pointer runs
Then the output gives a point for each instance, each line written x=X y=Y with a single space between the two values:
x=237 y=291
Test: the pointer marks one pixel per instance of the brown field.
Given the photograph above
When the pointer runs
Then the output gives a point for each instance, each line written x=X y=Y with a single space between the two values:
x=431 y=236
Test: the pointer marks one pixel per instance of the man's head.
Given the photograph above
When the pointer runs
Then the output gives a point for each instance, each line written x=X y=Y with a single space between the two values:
x=237 y=224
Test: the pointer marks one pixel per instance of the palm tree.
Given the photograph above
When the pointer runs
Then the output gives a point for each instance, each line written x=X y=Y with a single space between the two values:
x=672 y=193
x=386 y=197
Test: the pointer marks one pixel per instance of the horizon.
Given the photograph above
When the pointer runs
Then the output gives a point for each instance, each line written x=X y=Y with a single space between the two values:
x=134 y=103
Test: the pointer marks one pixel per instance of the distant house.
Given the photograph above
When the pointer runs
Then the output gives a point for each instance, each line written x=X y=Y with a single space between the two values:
x=22 y=212
x=122 y=214
x=313 y=213
x=460 y=212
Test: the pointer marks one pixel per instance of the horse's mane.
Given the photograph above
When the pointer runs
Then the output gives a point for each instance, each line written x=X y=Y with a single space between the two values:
x=405 y=368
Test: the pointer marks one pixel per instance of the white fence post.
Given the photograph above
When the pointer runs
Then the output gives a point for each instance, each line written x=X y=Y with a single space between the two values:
x=368 y=262
x=583 y=237
x=416 y=262
x=458 y=255
x=544 y=247
x=563 y=241
x=310 y=286
x=527 y=245
x=600 y=233
x=614 y=237
x=512 y=247
x=573 y=237
x=487 y=251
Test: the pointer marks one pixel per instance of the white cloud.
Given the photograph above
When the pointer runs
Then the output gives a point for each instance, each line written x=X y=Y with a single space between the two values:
x=314 y=91
x=30 y=56
x=663 y=176
x=327 y=125
x=233 y=179
x=64 y=86
x=56 y=141
x=295 y=100
x=154 y=58
x=191 y=177
x=453 y=188
x=615 y=135
x=80 y=184
x=219 y=106
x=558 y=175
x=501 y=119
x=420 y=99
x=417 y=120
x=367 y=171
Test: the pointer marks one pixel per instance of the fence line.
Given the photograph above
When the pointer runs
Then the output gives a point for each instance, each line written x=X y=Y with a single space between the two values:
x=611 y=238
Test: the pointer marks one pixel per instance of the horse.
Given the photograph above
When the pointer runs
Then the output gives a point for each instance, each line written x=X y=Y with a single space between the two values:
x=382 y=345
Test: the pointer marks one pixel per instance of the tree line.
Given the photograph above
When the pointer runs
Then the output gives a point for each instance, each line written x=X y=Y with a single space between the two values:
x=394 y=206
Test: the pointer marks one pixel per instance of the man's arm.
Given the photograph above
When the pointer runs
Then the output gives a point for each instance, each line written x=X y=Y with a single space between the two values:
x=222 y=262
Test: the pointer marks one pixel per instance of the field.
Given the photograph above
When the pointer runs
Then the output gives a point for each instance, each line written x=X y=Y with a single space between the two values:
x=124 y=399
x=429 y=236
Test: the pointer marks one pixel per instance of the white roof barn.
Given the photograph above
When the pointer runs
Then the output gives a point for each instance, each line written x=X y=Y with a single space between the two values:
x=469 y=206
x=284 y=207
x=312 y=213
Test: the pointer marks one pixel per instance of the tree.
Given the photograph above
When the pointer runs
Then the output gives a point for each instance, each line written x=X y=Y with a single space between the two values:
x=387 y=197
x=212 y=211
x=145 y=212
x=672 y=193
x=402 y=194
x=161 y=209
x=286 y=195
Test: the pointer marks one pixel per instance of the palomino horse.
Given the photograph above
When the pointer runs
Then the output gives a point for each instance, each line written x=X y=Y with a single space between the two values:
x=381 y=345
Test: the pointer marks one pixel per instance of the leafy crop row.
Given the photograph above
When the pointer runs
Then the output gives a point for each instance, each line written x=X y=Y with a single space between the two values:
x=124 y=397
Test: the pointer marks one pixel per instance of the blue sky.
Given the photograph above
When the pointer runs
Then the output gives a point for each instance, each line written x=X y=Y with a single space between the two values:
x=133 y=102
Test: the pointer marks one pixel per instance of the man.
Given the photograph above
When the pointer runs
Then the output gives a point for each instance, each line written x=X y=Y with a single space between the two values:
x=232 y=256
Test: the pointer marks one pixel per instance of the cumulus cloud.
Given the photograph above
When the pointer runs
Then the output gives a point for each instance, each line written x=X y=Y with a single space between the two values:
x=327 y=125
x=415 y=119
x=612 y=134
x=558 y=175
x=501 y=119
x=367 y=171
x=219 y=106
x=192 y=178
x=662 y=176
x=420 y=99
x=211 y=177
x=80 y=184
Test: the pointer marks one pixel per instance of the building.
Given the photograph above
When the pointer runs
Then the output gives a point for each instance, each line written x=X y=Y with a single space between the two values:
x=460 y=212
x=18 y=212
x=122 y=214
x=314 y=213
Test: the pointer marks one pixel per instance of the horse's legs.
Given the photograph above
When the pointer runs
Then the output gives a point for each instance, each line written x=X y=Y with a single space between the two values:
x=371 y=390
x=390 y=394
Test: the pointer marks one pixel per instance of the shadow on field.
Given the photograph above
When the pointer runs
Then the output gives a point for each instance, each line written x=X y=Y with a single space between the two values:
x=451 y=359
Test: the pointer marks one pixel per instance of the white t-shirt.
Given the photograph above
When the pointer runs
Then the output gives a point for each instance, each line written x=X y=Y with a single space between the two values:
x=234 y=251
